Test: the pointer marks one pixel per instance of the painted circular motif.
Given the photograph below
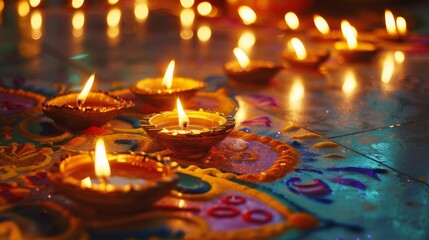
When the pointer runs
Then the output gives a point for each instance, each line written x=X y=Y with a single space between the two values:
x=25 y=157
x=42 y=129
x=223 y=212
x=15 y=103
x=258 y=216
x=233 y=200
x=247 y=157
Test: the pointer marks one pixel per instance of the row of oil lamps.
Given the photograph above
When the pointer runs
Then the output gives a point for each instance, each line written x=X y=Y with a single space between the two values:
x=129 y=182
x=347 y=44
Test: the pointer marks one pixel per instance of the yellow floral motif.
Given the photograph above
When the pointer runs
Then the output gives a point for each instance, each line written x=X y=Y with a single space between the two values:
x=21 y=158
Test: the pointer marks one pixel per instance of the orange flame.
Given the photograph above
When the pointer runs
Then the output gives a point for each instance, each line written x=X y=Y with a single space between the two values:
x=321 y=25
x=247 y=15
x=298 y=48
x=167 y=81
x=242 y=58
x=34 y=3
x=187 y=3
x=246 y=41
x=401 y=25
x=204 y=8
x=77 y=3
x=102 y=167
x=292 y=20
x=84 y=94
x=141 y=10
x=204 y=33
x=183 y=118
x=390 y=23
x=350 y=34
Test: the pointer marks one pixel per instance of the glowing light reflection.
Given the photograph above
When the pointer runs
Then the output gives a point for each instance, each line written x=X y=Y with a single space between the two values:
x=78 y=21
x=204 y=33
x=247 y=15
x=36 y=24
x=187 y=3
x=77 y=3
x=388 y=68
x=349 y=84
x=35 y=3
x=187 y=17
x=246 y=41
x=141 y=10
x=23 y=8
x=204 y=8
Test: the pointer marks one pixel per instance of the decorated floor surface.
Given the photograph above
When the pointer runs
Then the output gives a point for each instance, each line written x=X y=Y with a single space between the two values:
x=334 y=152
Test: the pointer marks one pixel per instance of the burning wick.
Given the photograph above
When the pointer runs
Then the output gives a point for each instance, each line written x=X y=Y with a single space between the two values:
x=183 y=118
x=167 y=81
x=243 y=59
x=84 y=94
x=102 y=166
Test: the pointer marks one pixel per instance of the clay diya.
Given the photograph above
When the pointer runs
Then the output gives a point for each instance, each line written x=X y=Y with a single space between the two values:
x=77 y=111
x=324 y=32
x=250 y=72
x=187 y=132
x=163 y=91
x=114 y=183
x=298 y=56
x=396 y=29
x=351 y=50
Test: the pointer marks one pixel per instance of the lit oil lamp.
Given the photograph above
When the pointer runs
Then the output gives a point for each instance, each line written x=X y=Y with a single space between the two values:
x=298 y=56
x=77 y=111
x=250 y=72
x=163 y=91
x=114 y=183
x=351 y=50
x=324 y=32
x=396 y=29
x=189 y=132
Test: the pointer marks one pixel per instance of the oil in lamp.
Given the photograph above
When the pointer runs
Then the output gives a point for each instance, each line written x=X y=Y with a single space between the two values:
x=187 y=132
x=77 y=111
x=396 y=29
x=324 y=32
x=250 y=72
x=297 y=55
x=163 y=91
x=351 y=50
x=114 y=183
